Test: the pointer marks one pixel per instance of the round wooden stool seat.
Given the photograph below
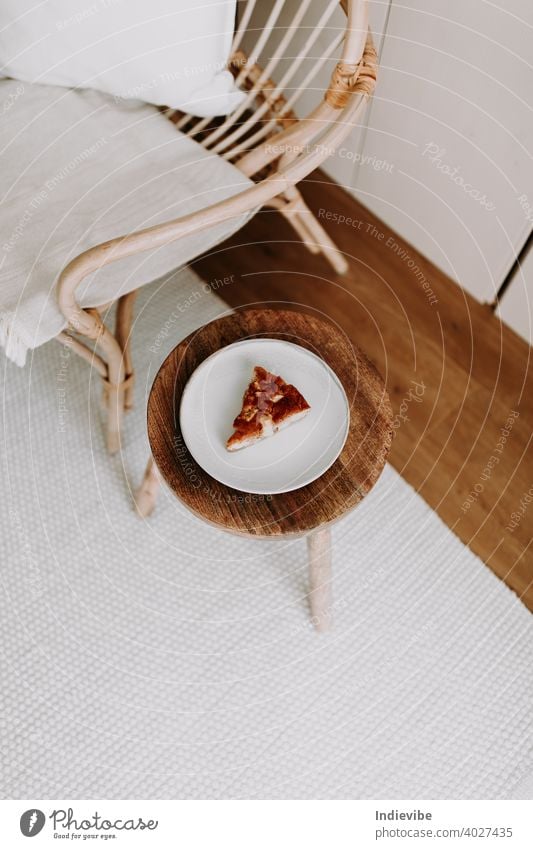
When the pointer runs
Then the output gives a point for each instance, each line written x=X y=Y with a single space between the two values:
x=304 y=510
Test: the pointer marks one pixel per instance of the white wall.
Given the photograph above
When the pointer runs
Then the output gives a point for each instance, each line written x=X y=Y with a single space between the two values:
x=445 y=157
x=452 y=118
x=451 y=123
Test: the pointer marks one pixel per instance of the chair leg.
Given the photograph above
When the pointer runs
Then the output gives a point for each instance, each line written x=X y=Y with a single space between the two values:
x=123 y=336
x=118 y=386
x=146 y=495
x=319 y=550
x=289 y=212
x=311 y=230
x=115 y=409
x=114 y=380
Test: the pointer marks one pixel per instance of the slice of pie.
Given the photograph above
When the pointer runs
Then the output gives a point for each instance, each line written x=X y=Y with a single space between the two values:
x=268 y=405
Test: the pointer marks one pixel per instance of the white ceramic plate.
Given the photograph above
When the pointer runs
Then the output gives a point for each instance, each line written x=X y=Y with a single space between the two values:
x=289 y=459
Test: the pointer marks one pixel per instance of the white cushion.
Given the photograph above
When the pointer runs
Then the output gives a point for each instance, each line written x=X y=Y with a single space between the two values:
x=168 y=52
x=78 y=170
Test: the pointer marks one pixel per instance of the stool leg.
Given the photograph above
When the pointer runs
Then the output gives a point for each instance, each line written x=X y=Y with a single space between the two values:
x=146 y=495
x=319 y=550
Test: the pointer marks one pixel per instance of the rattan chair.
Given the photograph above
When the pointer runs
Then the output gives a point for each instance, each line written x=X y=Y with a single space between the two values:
x=265 y=140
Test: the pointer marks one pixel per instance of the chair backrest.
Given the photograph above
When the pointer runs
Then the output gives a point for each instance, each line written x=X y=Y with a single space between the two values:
x=263 y=137
x=282 y=52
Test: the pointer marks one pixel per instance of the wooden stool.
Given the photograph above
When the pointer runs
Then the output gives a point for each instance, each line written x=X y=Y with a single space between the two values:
x=307 y=511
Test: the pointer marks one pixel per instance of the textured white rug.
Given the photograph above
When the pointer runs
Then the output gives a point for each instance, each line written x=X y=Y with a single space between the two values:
x=167 y=660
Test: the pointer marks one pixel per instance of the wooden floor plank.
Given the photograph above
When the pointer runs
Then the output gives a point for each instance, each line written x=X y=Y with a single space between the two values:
x=454 y=372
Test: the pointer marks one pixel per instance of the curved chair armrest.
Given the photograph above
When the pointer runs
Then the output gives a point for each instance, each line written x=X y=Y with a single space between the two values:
x=162 y=234
x=150 y=238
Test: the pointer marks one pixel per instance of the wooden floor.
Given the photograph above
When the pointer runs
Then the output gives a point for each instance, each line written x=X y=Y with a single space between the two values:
x=460 y=382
